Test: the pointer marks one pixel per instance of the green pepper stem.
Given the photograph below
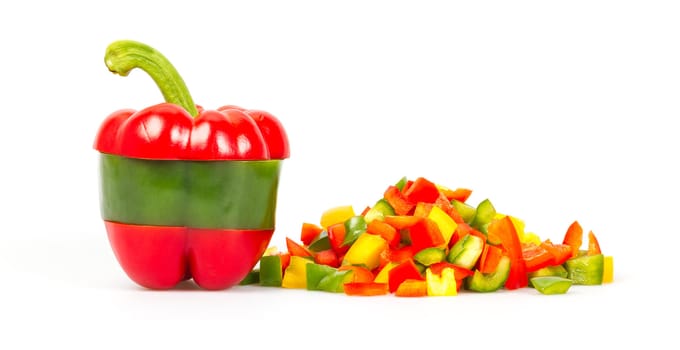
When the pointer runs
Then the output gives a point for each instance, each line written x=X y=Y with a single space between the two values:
x=125 y=55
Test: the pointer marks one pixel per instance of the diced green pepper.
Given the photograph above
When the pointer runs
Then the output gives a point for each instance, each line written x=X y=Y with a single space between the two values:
x=585 y=269
x=334 y=281
x=271 y=273
x=551 y=284
x=315 y=273
x=252 y=277
x=466 y=251
x=555 y=270
x=490 y=282
x=379 y=211
x=466 y=211
x=321 y=243
x=484 y=214
x=354 y=227
x=401 y=183
x=429 y=256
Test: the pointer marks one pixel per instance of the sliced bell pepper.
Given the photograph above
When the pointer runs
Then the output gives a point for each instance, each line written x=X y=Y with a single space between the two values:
x=505 y=231
x=559 y=252
x=186 y=192
x=608 y=269
x=336 y=215
x=490 y=282
x=271 y=271
x=295 y=275
x=466 y=252
x=442 y=284
x=336 y=235
x=551 y=284
x=327 y=257
x=366 y=251
x=593 y=244
x=309 y=232
x=296 y=249
x=398 y=201
x=412 y=288
x=536 y=256
x=586 y=269
x=365 y=288
x=383 y=276
x=354 y=227
x=422 y=190
x=425 y=234
x=574 y=238
x=446 y=224
x=357 y=273
x=402 y=272
x=385 y=231
x=491 y=255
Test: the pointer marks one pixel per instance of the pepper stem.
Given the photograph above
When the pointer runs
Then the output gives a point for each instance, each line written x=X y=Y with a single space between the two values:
x=125 y=55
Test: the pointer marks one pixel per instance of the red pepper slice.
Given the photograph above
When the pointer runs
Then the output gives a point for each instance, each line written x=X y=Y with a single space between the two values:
x=412 y=288
x=422 y=190
x=593 y=245
x=402 y=272
x=398 y=201
x=425 y=234
x=504 y=229
x=365 y=288
x=327 y=257
x=536 y=256
x=336 y=234
x=491 y=256
x=574 y=238
x=296 y=249
x=309 y=232
x=559 y=252
x=384 y=230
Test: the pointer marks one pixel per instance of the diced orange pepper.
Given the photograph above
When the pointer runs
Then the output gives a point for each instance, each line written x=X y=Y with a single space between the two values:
x=296 y=249
x=574 y=238
x=309 y=232
x=593 y=245
x=422 y=190
x=396 y=199
x=327 y=257
x=402 y=272
x=359 y=273
x=491 y=256
x=412 y=288
x=384 y=230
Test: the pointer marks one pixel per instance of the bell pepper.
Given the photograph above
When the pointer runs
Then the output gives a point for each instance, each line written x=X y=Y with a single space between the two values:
x=186 y=192
x=443 y=284
x=505 y=231
x=412 y=288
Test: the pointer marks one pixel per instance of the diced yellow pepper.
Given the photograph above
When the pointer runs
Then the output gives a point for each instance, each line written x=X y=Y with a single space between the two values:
x=295 y=275
x=608 y=269
x=384 y=275
x=273 y=250
x=444 y=222
x=336 y=215
x=366 y=251
x=444 y=285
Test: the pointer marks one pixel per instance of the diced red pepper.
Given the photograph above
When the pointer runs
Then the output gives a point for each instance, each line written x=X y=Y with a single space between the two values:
x=445 y=205
x=504 y=229
x=491 y=255
x=285 y=260
x=365 y=288
x=336 y=235
x=296 y=249
x=422 y=190
x=401 y=222
x=459 y=194
x=327 y=257
x=402 y=272
x=422 y=209
x=574 y=237
x=559 y=252
x=412 y=288
x=593 y=245
x=398 y=201
x=384 y=230
x=536 y=256
x=425 y=234
x=398 y=255
x=359 y=273
x=309 y=232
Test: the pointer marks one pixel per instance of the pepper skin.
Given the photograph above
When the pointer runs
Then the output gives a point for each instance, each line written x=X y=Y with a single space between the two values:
x=186 y=192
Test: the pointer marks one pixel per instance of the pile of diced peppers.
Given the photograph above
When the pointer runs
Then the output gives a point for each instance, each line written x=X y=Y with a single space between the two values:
x=422 y=239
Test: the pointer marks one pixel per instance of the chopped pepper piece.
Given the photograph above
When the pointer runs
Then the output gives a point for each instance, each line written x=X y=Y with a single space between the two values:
x=551 y=284
x=443 y=284
x=295 y=275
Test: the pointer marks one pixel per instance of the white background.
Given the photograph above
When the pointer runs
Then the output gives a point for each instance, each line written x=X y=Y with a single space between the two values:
x=556 y=111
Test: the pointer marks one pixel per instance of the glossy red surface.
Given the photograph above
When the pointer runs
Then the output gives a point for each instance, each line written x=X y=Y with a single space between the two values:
x=159 y=257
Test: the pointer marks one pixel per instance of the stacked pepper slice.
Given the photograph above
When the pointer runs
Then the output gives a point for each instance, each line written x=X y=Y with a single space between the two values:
x=422 y=239
x=186 y=192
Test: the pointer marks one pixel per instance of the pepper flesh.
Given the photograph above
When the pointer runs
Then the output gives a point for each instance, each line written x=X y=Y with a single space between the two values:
x=186 y=192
